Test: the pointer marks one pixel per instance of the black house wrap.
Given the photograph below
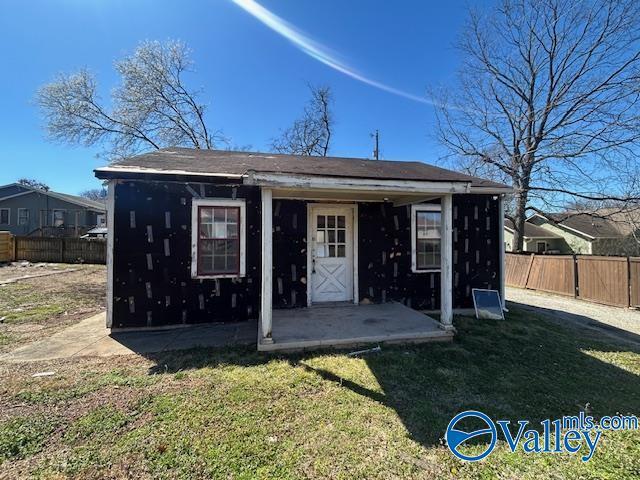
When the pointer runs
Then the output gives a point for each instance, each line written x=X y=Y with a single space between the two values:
x=152 y=255
x=384 y=270
x=152 y=284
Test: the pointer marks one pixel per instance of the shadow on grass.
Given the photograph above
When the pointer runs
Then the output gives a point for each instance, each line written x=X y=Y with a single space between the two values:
x=526 y=367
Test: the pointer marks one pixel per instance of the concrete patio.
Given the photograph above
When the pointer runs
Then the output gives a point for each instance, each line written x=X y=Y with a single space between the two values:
x=351 y=325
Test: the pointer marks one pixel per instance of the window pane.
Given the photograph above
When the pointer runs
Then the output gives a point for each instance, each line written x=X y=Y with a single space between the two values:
x=341 y=236
x=219 y=263
x=219 y=215
x=232 y=230
x=341 y=251
x=332 y=250
x=232 y=215
x=321 y=251
x=320 y=236
x=331 y=221
x=341 y=221
x=428 y=224
x=321 y=221
x=4 y=216
x=428 y=254
x=332 y=236
x=220 y=230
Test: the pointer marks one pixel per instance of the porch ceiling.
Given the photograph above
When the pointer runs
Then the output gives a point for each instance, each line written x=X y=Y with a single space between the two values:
x=398 y=198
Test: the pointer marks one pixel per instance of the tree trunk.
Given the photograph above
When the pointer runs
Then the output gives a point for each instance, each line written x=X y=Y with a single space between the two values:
x=520 y=197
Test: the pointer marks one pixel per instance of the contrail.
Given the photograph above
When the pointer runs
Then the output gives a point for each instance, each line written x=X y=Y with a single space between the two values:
x=316 y=50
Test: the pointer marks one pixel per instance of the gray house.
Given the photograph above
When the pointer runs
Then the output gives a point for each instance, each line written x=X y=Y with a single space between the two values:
x=26 y=210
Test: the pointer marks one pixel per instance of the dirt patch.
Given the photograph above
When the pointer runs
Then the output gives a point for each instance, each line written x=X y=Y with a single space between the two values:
x=17 y=270
x=37 y=307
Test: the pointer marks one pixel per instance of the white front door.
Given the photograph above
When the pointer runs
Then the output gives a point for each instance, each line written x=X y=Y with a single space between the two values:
x=331 y=253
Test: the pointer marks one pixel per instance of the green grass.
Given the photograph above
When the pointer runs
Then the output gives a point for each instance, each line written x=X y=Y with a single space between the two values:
x=239 y=414
x=24 y=436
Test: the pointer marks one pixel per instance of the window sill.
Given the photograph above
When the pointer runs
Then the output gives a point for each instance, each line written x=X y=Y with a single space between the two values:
x=219 y=275
x=428 y=270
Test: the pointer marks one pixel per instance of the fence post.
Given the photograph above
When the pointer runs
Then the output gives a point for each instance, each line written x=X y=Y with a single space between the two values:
x=628 y=262
x=576 y=285
x=62 y=250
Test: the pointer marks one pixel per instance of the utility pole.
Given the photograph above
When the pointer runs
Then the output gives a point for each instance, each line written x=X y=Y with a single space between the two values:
x=376 y=149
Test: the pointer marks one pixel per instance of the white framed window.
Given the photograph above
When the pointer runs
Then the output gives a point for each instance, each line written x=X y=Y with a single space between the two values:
x=58 y=218
x=541 y=247
x=101 y=220
x=218 y=238
x=426 y=232
x=23 y=216
x=5 y=216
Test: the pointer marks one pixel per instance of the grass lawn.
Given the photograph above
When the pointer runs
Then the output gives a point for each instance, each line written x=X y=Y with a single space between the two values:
x=35 y=307
x=240 y=414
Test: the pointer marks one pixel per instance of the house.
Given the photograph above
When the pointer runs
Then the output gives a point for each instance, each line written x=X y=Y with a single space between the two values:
x=217 y=236
x=591 y=233
x=536 y=239
x=26 y=210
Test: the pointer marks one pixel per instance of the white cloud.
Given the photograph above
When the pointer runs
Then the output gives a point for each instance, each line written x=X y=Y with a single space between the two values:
x=315 y=49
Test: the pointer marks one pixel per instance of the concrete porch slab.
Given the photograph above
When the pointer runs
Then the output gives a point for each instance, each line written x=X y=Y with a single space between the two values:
x=350 y=325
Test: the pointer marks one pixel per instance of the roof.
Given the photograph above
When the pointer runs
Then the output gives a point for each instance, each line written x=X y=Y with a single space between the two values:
x=531 y=230
x=588 y=224
x=188 y=161
x=25 y=189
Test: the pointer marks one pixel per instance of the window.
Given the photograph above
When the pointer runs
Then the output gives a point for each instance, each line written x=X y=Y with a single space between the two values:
x=4 y=216
x=58 y=218
x=218 y=238
x=101 y=220
x=426 y=229
x=541 y=247
x=23 y=216
x=331 y=236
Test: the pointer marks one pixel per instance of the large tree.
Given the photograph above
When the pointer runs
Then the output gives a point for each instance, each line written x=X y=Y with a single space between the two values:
x=311 y=133
x=547 y=99
x=152 y=107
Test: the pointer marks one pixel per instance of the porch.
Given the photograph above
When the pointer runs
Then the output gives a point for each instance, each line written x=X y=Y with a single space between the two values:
x=349 y=325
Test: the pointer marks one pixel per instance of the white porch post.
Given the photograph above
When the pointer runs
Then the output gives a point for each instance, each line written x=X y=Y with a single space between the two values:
x=267 y=266
x=501 y=247
x=446 y=264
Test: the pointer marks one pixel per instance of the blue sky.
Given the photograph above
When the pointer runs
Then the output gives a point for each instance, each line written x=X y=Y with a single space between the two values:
x=254 y=80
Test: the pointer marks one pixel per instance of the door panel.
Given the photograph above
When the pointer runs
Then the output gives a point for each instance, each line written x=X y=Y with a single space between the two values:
x=331 y=254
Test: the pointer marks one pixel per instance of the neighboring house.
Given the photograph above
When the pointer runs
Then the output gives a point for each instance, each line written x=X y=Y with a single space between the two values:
x=205 y=236
x=536 y=239
x=26 y=210
x=586 y=233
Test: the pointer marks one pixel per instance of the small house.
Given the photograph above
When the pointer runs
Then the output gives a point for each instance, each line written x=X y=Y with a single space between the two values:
x=26 y=210
x=536 y=239
x=317 y=250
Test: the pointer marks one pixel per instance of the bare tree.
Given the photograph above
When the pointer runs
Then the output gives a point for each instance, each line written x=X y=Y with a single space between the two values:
x=97 y=194
x=151 y=108
x=311 y=133
x=548 y=98
x=32 y=182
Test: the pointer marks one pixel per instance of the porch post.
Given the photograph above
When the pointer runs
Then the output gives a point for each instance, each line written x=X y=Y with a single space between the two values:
x=267 y=266
x=446 y=264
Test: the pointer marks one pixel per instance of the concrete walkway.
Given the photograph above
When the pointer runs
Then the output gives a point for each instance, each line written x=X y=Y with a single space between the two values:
x=622 y=323
x=90 y=338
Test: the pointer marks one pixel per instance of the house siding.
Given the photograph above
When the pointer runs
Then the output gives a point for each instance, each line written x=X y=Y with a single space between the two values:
x=162 y=292
x=166 y=293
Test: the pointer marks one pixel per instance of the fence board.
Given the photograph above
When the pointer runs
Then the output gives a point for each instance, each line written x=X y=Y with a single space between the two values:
x=554 y=274
x=634 y=281
x=61 y=250
x=517 y=269
x=604 y=280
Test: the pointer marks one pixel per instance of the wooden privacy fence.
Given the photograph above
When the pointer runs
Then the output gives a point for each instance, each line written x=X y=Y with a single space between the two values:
x=6 y=247
x=608 y=280
x=60 y=250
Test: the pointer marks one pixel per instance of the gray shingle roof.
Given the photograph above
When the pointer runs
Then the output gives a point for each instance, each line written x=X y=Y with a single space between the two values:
x=221 y=162
x=532 y=231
